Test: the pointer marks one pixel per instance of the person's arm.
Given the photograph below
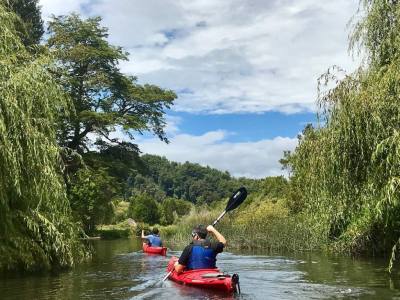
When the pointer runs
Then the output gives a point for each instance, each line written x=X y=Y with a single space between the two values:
x=179 y=268
x=144 y=236
x=180 y=265
x=217 y=235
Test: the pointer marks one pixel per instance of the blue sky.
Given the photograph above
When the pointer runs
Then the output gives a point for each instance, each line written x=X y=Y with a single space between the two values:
x=245 y=127
x=245 y=71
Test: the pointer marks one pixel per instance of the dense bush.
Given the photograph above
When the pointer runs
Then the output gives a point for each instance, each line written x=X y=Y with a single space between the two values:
x=171 y=209
x=91 y=198
x=144 y=208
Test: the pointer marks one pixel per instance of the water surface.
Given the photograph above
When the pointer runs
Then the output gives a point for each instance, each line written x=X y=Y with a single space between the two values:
x=120 y=270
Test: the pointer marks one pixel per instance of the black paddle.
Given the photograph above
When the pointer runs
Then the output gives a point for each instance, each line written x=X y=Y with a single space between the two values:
x=234 y=201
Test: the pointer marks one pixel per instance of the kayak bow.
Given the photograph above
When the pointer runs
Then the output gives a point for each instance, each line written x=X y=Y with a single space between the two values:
x=205 y=278
x=154 y=250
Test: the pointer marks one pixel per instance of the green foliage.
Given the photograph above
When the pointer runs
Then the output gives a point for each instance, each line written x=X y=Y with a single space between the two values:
x=140 y=184
x=274 y=187
x=260 y=224
x=120 y=230
x=36 y=229
x=120 y=210
x=346 y=171
x=104 y=99
x=376 y=32
x=172 y=208
x=91 y=197
x=143 y=208
x=120 y=161
x=30 y=25
x=190 y=181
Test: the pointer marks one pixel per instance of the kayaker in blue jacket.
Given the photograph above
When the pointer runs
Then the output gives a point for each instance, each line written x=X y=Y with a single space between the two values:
x=201 y=253
x=153 y=239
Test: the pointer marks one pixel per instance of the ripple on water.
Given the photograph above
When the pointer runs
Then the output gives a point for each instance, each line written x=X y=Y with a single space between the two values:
x=117 y=273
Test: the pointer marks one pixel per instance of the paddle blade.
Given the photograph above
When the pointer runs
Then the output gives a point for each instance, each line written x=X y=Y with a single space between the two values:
x=236 y=199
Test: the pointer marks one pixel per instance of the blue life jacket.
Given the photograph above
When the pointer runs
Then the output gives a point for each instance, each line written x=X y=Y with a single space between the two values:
x=202 y=256
x=154 y=240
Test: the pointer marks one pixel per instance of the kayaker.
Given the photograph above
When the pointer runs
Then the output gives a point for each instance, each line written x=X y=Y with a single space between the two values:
x=201 y=253
x=153 y=239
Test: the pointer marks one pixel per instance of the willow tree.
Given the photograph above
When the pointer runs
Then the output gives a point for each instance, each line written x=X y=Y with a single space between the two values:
x=30 y=23
x=36 y=230
x=348 y=169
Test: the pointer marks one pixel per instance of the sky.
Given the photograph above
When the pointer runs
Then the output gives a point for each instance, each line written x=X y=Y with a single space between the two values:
x=245 y=71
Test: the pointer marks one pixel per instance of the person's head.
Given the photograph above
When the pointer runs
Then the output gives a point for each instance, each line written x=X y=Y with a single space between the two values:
x=199 y=232
x=155 y=230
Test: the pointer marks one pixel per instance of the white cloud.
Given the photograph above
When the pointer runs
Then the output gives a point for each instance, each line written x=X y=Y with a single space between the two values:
x=61 y=7
x=172 y=127
x=233 y=56
x=250 y=159
x=222 y=57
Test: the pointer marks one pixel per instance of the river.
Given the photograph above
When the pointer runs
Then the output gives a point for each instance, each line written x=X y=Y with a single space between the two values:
x=119 y=270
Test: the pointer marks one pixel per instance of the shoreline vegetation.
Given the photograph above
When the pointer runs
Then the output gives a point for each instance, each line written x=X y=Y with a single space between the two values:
x=262 y=222
x=266 y=226
x=58 y=186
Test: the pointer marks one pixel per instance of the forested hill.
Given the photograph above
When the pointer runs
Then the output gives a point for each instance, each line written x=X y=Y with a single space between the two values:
x=119 y=183
x=128 y=174
x=188 y=181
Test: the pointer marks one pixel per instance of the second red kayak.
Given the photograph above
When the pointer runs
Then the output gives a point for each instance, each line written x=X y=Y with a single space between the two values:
x=205 y=278
x=154 y=250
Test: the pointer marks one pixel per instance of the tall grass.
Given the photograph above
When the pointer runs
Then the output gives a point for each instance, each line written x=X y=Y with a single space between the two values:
x=262 y=223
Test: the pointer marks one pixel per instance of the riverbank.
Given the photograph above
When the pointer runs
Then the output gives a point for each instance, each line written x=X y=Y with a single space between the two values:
x=260 y=223
x=263 y=221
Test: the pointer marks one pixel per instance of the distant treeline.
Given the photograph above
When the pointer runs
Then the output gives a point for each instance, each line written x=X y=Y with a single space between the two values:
x=157 y=187
x=188 y=181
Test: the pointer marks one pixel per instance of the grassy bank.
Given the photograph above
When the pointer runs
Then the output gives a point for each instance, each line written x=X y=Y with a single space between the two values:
x=260 y=223
x=116 y=231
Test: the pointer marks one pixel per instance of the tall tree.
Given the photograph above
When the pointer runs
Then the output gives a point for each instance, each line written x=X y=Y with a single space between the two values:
x=30 y=25
x=104 y=99
x=90 y=197
x=347 y=169
x=36 y=229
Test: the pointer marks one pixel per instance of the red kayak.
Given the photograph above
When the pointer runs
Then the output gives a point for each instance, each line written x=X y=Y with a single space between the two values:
x=205 y=278
x=154 y=250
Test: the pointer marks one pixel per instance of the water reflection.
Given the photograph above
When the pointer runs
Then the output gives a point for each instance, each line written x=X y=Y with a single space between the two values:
x=120 y=270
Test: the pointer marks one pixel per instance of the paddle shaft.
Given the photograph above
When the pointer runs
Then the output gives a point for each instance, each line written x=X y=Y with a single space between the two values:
x=166 y=276
x=219 y=218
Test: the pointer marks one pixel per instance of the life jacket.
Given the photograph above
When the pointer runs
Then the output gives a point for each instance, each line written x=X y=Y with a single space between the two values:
x=202 y=256
x=154 y=240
